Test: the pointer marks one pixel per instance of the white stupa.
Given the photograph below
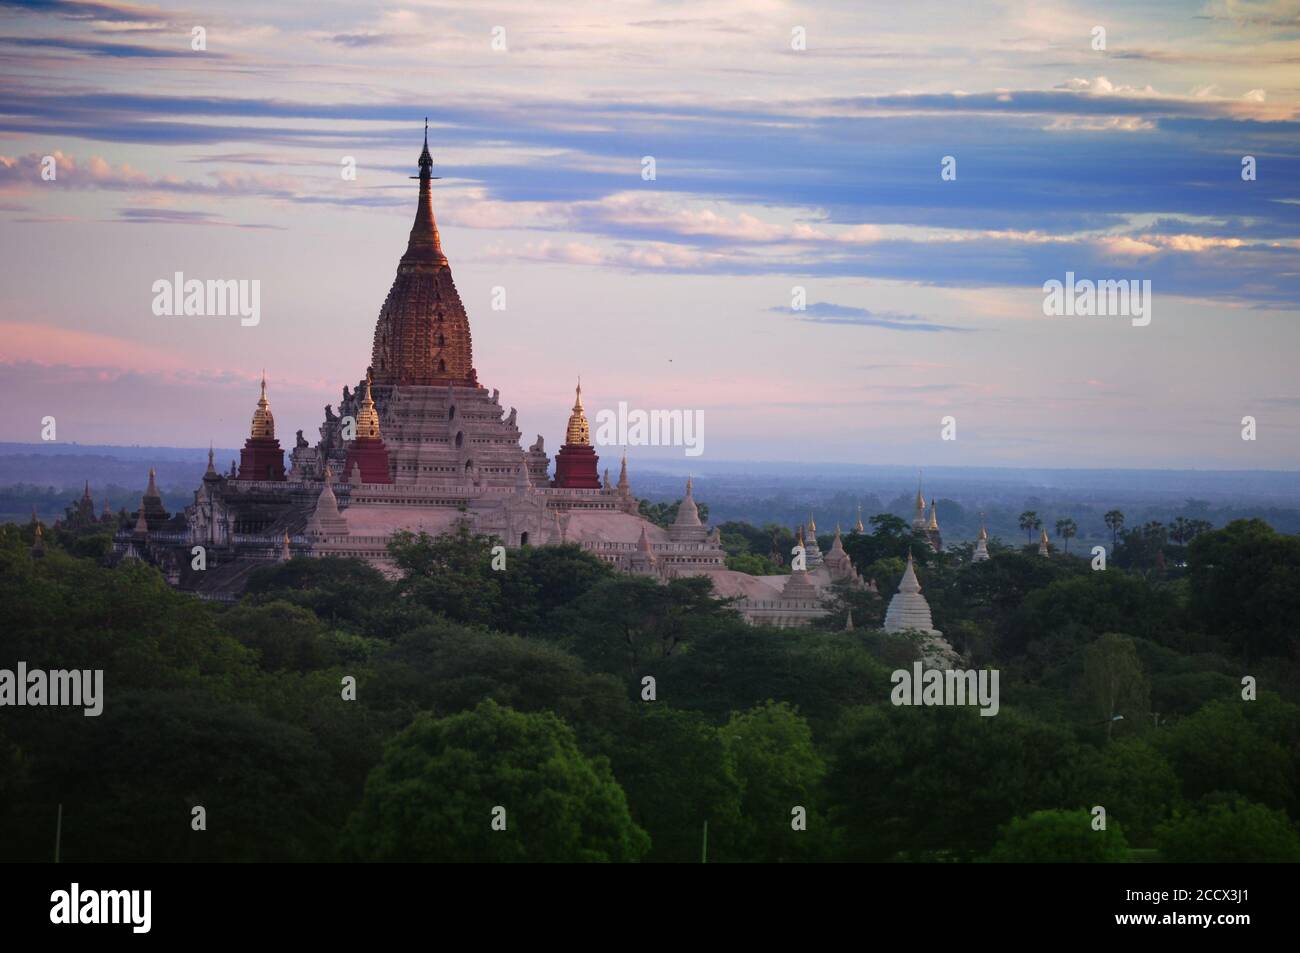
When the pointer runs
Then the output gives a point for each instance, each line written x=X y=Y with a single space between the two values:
x=981 y=545
x=908 y=611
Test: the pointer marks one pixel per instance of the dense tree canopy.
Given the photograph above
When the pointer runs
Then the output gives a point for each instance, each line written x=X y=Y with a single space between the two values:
x=337 y=712
x=492 y=784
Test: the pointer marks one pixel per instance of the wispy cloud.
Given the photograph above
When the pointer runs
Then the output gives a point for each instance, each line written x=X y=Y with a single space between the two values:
x=823 y=312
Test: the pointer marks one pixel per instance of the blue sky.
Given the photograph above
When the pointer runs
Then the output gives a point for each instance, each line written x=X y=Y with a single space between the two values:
x=776 y=168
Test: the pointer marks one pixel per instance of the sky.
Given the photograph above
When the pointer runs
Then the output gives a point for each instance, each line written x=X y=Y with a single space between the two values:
x=795 y=146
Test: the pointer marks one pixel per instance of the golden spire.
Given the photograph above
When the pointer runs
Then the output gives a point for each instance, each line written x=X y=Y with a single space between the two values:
x=367 y=416
x=934 y=516
x=579 y=433
x=858 y=527
x=812 y=523
x=263 y=422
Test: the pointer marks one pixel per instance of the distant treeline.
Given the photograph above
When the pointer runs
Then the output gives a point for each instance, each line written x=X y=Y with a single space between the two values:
x=18 y=501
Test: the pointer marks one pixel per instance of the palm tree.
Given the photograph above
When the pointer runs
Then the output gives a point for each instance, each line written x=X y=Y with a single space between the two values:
x=1029 y=522
x=1066 y=528
x=1115 y=522
x=1180 y=531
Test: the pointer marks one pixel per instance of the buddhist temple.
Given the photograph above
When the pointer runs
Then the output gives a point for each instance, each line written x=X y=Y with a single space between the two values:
x=418 y=444
x=1044 y=547
x=908 y=610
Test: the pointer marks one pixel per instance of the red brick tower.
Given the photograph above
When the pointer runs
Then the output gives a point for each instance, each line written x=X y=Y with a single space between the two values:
x=262 y=458
x=576 y=463
x=367 y=451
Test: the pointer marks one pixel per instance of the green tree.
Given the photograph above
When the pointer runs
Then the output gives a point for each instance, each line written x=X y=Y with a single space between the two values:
x=1132 y=780
x=1053 y=837
x=342 y=592
x=753 y=565
x=447 y=668
x=540 y=580
x=938 y=782
x=1114 y=520
x=1245 y=585
x=435 y=794
x=1143 y=546
x=130 y=779
x=1067 y=529
x=627 y=623
x=450 y=574
x=1222 y=748
x=890 y=538
x=677 y=775
x=1030 y=522
x=780 y=771
x=285 y=636
x=1115 y=683
x=1229 y=830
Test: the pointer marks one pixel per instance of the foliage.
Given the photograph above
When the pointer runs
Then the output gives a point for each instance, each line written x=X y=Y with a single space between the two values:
x=240 y=709
x=1229 y=831
x=1054 y=837
x=443 y=781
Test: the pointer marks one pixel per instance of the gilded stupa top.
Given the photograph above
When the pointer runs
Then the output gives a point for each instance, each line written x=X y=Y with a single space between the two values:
x=579 y=433
x=263 y=421
x=367 y=416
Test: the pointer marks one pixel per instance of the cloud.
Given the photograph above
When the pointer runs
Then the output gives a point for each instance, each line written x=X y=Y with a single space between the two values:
x=823 y=312
x=102 y=49
x=158 y=216
x=86 y=10
x=365 y=40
